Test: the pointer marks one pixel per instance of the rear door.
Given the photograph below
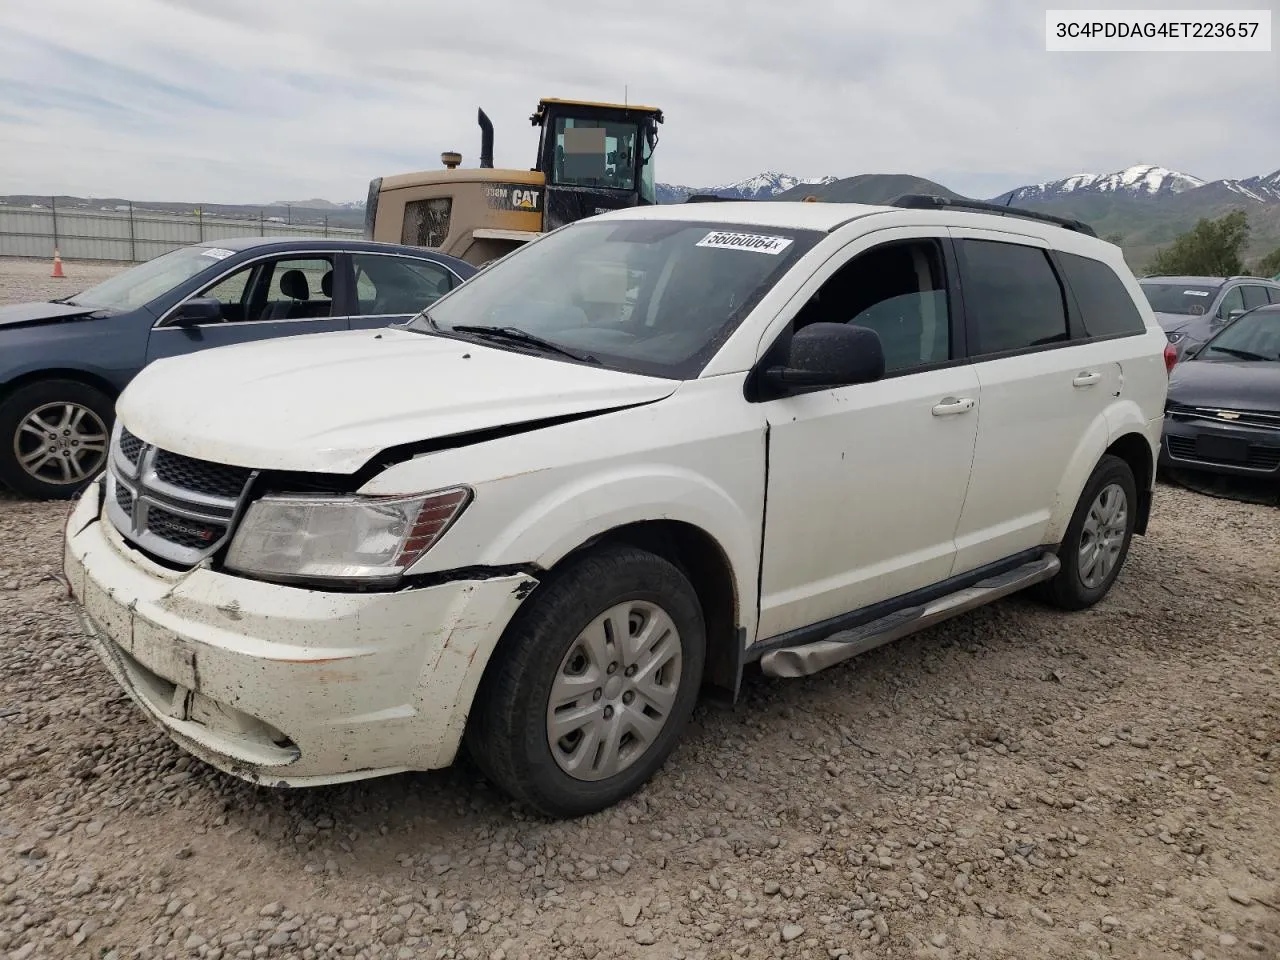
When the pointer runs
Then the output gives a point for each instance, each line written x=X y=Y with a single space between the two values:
x=390 y=288
x=280 y=296
x=1044 y=391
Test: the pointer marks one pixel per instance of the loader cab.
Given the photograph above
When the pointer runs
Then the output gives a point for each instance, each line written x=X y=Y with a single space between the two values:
x=595 y=157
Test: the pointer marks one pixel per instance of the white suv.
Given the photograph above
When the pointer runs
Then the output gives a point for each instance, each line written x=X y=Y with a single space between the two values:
x=613 y=470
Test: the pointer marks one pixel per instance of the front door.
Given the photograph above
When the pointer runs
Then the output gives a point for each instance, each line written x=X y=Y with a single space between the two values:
x=282 y=296
x=866 y=482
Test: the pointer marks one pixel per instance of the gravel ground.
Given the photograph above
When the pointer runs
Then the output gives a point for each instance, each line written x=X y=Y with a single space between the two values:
x=1016 y=783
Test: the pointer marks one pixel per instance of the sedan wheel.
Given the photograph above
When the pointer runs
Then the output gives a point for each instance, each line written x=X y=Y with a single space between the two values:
x=53 y=437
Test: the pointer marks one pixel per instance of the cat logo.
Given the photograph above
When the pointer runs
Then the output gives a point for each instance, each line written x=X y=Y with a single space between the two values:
x=1228 y=415
x=524 y=199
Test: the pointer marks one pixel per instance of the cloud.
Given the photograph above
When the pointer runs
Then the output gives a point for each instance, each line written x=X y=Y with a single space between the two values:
x=249 y=101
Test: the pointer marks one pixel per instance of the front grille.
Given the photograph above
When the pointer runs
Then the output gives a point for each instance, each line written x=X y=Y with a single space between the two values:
x=130 y=446
x=177 y=508
x=200 y=476
x=1260 y=457
x=1240 y=418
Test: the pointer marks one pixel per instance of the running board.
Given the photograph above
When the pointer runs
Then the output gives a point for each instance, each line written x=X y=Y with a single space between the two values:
x=809 y=658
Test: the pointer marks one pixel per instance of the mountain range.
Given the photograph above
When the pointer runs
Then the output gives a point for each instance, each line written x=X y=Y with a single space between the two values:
x=1146 y=205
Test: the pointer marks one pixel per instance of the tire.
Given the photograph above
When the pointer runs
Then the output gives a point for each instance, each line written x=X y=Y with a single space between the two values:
x=1076 y=587
x=508 y=734
x=78 y=420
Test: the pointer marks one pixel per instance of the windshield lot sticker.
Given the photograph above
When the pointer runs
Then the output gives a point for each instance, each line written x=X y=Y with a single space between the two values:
x=1195 y=293
x=217 y=253
x=745 y=241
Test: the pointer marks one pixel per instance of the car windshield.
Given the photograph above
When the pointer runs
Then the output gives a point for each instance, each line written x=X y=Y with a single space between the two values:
x=1189 y=299
x=655 y=297
x=1255 y=336
x=145 y=282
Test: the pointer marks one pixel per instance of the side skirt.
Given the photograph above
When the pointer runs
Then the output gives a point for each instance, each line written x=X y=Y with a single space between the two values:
x=805 y=658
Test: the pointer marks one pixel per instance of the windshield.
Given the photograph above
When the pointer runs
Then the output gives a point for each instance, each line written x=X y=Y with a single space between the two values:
x=594 y=153
x=1255 y=336
x=1189 y=299
x=143 y=283
x=656 y=297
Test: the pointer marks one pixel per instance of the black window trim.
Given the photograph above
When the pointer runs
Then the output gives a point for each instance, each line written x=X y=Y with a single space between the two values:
x=1067 y=303
x=753 y=389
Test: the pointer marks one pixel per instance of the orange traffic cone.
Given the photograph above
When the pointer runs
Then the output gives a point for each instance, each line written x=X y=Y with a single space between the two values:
x=57 y=264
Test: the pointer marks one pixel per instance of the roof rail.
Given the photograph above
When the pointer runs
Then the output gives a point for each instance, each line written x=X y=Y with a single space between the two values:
x=928 y=201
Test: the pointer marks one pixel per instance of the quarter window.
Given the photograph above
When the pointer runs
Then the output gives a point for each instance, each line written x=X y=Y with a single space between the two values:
x=1012 y=296
x=397 y=285
x=1103 y=299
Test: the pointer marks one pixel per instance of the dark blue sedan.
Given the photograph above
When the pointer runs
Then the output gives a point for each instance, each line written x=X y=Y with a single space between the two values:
x=63 y=363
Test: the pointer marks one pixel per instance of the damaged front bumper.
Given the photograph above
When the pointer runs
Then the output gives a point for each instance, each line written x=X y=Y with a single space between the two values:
x=282 y=685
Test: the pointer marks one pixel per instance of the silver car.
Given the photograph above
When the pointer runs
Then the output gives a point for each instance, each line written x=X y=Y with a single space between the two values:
x=1193 y=309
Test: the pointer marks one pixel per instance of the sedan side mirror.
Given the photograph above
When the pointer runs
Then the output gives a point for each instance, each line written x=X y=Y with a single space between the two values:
x=1236 y=315
x=198 y=310
x=830 y=355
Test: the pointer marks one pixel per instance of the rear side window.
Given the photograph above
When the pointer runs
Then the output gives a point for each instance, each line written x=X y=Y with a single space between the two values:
x=1255 y=295
x=1103 y=299
x=1012 y=297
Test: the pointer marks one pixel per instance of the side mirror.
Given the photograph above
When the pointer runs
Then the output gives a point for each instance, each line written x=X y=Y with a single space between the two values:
x=197 y=310
x=1236 y=315
x=830 y=355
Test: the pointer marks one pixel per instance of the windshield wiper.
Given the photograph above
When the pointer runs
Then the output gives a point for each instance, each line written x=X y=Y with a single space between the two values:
x=516 y=335
x=1241 y=354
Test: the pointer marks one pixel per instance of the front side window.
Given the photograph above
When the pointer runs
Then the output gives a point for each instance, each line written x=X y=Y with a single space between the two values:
x=1232 y=300
x=397 y=285
x=594 y=153
x=1103 y=299
x=899 y=291
x=1012 y=296
x=1187 y=299
x=1255 y=337
x=656 y=297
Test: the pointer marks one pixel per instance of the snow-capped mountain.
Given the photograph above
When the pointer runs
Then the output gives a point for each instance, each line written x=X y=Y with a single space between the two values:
x=1141 y=180
x=1263 y=189
x=760 y=187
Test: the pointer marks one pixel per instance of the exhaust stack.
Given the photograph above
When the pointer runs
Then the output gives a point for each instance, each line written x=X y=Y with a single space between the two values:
x=486 y=140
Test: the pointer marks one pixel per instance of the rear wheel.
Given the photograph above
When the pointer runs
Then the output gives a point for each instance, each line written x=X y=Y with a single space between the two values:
x=1098 y=537
x=592 y=686
x=53 y=437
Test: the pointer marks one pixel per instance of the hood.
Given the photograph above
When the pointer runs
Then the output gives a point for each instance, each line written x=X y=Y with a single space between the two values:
x=328 y=402
x=31 y=313
x=1173 y=322
x=1246 y=385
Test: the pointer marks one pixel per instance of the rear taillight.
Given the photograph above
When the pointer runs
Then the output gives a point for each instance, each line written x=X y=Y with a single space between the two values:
x=1170 y=357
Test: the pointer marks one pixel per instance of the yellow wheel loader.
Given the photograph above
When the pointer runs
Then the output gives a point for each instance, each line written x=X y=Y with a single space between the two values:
x=592 y=157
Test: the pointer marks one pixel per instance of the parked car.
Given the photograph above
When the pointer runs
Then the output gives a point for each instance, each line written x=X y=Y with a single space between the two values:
x=614 y=468
x=63 y=363
x=1193 y=309
x=1223 y=410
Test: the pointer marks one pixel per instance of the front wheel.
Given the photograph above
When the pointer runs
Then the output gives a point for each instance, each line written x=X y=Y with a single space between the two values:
x=1098 y=537
x=593 y=684
x=53 y=437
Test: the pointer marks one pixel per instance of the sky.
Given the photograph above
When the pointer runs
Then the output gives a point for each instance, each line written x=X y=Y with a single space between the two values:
x=254 y=101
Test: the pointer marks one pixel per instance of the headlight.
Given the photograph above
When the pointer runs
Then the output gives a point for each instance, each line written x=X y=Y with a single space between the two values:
x=352 y=538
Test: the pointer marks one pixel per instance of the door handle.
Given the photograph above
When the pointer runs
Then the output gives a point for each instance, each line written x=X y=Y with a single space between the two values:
x=953 y=405
x=1086 y=379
